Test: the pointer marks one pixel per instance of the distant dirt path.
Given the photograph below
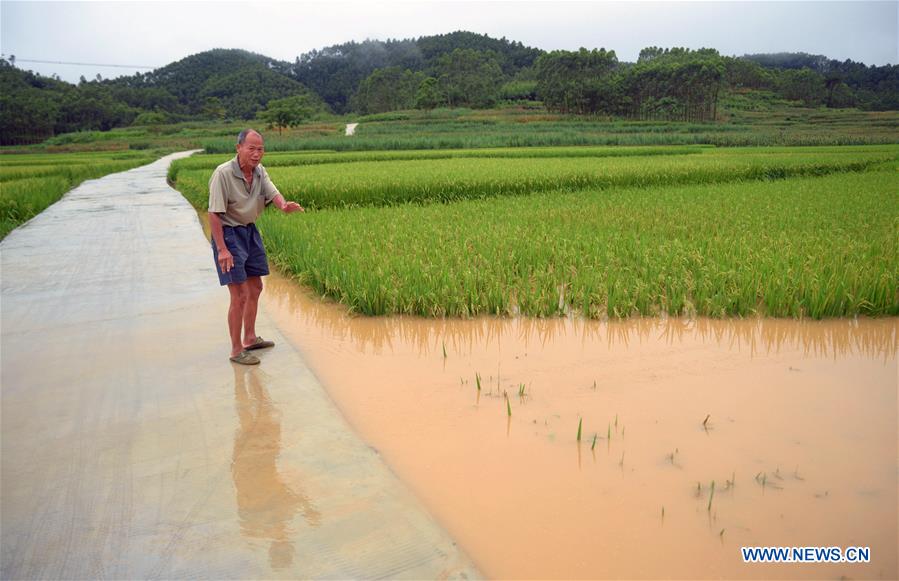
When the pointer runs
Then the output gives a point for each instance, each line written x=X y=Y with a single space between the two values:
x=132 y=448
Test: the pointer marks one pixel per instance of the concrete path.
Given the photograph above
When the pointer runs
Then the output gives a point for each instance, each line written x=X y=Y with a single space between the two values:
x=132 y=447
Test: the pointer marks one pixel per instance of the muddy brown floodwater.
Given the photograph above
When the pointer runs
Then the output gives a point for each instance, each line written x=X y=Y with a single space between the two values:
x=794 y=421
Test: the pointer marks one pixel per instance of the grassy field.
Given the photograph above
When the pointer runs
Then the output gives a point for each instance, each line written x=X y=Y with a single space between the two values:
x=745 y=119
x=391 y=182
x=31 y=182
x=523 y=127
x=787 y=232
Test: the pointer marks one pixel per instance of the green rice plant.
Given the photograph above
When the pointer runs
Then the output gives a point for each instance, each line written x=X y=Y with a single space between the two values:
x=780 y=248
x=711 y=496
x=29 y=183
x=477 y=378
x=690 y=250
x=397 y=182
x=508 y=407
x=580 y=423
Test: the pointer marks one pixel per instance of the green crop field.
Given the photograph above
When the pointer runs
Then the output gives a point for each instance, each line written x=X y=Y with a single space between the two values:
x=785 y=232
x=739 y=126
x=31 y=182
x=390 y=182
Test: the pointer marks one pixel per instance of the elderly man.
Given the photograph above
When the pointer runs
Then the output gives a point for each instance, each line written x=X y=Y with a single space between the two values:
x=239 y=190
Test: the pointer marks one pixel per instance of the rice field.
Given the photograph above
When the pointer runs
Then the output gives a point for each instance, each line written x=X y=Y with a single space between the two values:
x=391 y=182
x=31 y=182
x=528 y=127
x=789 y=232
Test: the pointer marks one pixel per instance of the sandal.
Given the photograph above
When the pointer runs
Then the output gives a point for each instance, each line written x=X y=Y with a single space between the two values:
x=260 y=344
x=245 y=358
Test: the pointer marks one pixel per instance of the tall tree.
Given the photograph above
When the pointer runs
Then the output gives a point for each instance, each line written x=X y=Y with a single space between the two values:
x=578 y=82
x=387 y=89
x=468 y=77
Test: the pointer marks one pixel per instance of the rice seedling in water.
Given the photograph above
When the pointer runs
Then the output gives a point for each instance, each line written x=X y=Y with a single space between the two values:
x=444 y=349
x=705 y=422
x=521 y=390
x=593 y=445
x=711 y=496
x=508 y=407
x=477 y=378
x=728 y=484
x=580 y=422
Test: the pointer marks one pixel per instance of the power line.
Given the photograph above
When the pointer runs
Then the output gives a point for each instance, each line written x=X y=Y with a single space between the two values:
x=20 y=60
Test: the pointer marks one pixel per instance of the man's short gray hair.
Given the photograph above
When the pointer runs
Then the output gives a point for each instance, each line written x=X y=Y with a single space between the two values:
x=242 y=136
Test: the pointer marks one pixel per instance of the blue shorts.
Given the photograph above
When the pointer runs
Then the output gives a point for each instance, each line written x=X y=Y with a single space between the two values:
x=245 y=245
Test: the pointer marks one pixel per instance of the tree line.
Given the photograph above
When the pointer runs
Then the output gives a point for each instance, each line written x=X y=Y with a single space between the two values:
x=460 y=69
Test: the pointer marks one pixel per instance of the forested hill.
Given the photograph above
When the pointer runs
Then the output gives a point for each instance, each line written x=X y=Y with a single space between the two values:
x=456 y=69
x=336 y=72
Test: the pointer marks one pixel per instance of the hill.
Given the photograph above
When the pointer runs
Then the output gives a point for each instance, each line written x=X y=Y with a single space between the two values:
x=458 y=69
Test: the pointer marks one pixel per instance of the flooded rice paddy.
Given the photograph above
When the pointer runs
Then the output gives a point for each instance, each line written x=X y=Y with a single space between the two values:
x=795 y=423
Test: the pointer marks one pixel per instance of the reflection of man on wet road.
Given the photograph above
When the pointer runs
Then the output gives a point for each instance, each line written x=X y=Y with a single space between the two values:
x=239 y=190
x=266 y=502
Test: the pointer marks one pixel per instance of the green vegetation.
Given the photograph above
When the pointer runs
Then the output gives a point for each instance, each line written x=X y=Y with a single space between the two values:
x=708 y=233
x=460 y=69
x=384 y=183
x=30 y=183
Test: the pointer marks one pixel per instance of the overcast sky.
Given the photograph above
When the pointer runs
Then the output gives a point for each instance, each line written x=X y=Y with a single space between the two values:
x=155 y=34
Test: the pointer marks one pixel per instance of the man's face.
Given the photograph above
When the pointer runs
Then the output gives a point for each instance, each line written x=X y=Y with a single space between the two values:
x=249 y=153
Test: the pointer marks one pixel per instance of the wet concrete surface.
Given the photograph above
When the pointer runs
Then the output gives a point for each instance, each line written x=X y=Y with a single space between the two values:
x=132 y=448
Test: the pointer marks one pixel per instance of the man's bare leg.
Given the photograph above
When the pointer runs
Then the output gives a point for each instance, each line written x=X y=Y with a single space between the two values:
x=254 y=289
x=239 y=295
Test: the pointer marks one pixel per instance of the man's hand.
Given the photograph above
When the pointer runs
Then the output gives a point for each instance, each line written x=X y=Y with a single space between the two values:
x=290 y=207
x=285 y=206
x=226 y=261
